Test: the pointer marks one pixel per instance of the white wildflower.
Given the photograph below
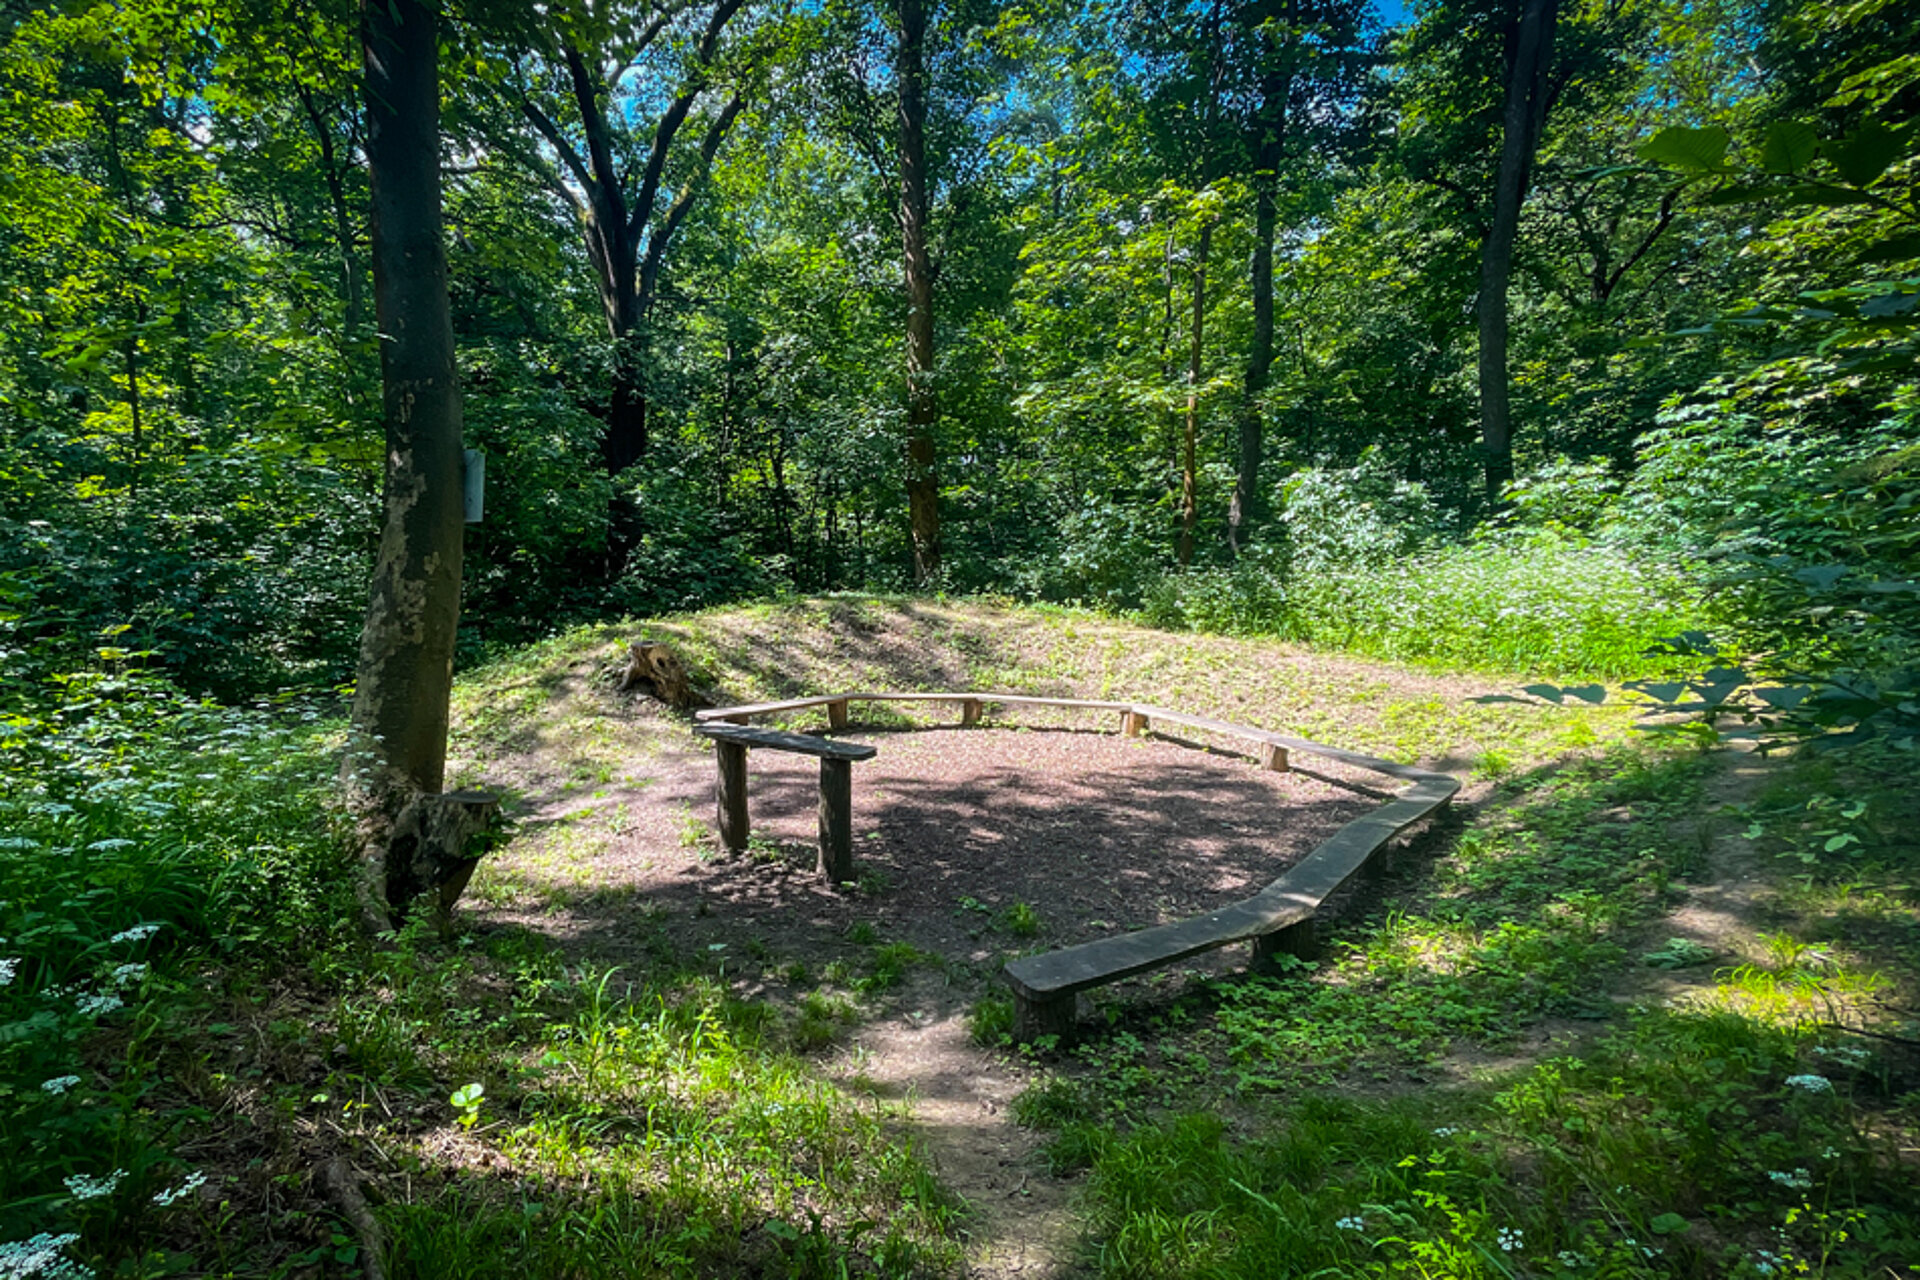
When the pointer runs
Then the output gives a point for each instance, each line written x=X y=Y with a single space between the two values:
x=1811 y=1083
x=40 y=1256
x=59 y=1084
x=1354 y=1223
x=107 y=846
x=1851 y=1055
x=128 y=973
x=1445 y=1131
x=96 y=1004
x=1799 y=1179
x=83 y=1187
x=139 y=933
x=1510 y=1239
x=194 y=1182
x=8 y=967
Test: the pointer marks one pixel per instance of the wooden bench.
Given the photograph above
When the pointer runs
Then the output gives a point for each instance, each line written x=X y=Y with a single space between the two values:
x=1277 y=920
x=731 y=742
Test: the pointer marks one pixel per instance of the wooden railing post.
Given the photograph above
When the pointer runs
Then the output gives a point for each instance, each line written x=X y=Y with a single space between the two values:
x=1132 y=723
x=969 y=712
x=837 y=714
x=1272 y=758
x=836 y=820
x=1300 y=940
x=732 y=795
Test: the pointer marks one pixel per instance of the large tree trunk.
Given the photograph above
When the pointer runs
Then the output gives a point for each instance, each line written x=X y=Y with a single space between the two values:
x=399 y=723
x=1189 y=465
x=1275 y=88
x=1521 y=125
x=923 y=489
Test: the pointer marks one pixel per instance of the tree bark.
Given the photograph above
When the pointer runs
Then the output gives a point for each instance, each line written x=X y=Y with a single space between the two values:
x=1189 y=468
x=923 y=410
x=1528 y=93
x=1275 y=88
x=399 y=719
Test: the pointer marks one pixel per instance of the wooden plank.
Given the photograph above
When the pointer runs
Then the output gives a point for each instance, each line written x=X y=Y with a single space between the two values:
x=731 y=796
x=1292 y=898
x=836 y=819
x=777 y=740
x=741 y=714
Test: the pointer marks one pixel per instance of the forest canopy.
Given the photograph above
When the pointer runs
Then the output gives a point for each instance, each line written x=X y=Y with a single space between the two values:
x=1199 y=307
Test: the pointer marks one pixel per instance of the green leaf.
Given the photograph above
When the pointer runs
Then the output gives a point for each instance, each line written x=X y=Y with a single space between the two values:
x=1893 y=249
x=1864 y=154
x=1790 y=146
x=1689 y=150
x=1841 y=841
x=1667 y=1223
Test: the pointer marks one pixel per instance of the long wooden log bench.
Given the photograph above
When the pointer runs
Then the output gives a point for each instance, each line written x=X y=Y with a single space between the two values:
x=731 y=743
x=1278 y=919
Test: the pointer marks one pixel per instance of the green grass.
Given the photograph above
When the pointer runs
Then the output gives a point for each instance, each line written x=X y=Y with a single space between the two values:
x=1741 y=1132
x=1540 y=607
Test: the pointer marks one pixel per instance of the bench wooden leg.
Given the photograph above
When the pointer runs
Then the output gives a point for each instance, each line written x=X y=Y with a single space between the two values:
x=836 y=820
x=1035 y=1019
x=837 y=714
x=732 y=795
x=1301 y=940
x=970 y=712
x=1272 y=758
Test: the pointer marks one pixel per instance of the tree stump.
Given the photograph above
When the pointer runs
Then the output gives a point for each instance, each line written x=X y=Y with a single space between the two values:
x=654 y=667
x=430 y=851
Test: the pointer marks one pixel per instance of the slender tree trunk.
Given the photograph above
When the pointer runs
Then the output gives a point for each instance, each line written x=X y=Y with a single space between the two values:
x=399 y=722
x=1189 y=467
x=1246 y=481
x=923 y=410
x=1521 y=125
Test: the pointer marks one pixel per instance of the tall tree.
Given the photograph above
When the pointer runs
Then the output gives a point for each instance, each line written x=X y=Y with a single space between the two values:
x=1529 y=96
x=1308 y=60
x=624 y=173
x=406 y=644
x=923 y=410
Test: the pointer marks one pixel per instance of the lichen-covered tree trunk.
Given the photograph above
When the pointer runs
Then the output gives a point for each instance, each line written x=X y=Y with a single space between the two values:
x=1522 y=124
x=399 y=723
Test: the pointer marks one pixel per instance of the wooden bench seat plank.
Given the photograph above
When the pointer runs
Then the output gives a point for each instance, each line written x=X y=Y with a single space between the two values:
x=1292 y=898
x=752 y=709
x=765 y=708
x=779 y=740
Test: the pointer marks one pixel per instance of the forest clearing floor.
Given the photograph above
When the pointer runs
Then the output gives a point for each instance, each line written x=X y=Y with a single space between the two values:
x=1586 y=885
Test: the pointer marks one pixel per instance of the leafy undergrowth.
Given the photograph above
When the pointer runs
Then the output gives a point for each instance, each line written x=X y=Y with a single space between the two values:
x=188 y=1038
x=1539 y=604
x=1762 y=1126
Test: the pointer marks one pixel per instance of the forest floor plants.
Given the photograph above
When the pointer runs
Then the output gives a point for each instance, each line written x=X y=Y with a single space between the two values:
x=1489 y=1079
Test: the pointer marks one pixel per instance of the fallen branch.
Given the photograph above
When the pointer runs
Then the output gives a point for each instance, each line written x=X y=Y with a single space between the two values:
x=336 y=1178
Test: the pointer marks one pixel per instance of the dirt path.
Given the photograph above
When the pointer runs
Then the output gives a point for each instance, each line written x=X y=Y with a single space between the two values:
x=1722 y=917
x=1021 y=1221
